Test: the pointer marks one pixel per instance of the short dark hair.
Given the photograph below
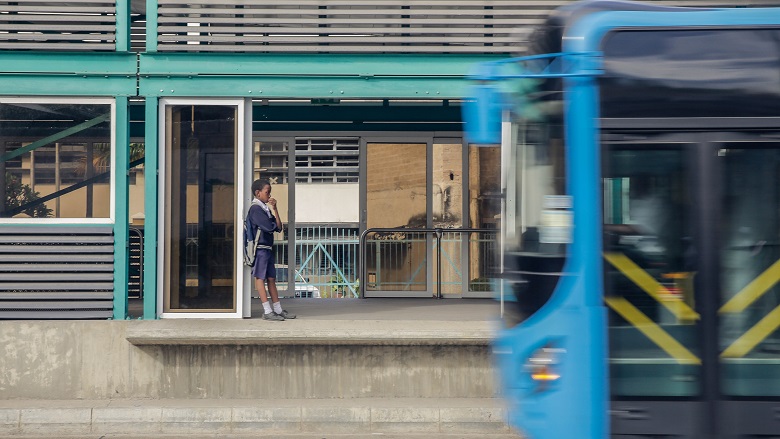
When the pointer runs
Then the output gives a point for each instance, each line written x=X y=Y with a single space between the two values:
x=259 y=184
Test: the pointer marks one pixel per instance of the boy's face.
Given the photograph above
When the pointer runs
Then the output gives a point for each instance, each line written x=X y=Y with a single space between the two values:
x=264 y=194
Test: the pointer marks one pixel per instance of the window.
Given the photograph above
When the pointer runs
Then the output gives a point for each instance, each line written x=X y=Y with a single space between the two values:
x=270 y=161
x=327 y=160
x=56 y=157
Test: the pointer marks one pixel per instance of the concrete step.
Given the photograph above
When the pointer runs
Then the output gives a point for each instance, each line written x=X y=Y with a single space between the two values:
x=321 y=418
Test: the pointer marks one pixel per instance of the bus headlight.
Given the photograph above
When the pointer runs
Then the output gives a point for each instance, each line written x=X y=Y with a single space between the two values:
x=543 y=365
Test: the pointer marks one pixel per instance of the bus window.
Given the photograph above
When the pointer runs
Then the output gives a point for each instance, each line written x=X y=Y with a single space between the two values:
x=538 y=217
x=649 y=271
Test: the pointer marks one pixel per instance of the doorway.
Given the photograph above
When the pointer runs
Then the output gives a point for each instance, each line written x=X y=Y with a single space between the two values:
x=690 y=226
x=199 y=224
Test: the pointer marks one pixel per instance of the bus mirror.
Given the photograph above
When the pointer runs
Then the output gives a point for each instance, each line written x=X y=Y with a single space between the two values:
x=482 y=113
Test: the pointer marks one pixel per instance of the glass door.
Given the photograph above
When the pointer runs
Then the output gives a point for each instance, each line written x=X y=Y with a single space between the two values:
x=749 y=306
x=655 y=360
x=397 y=263
x=199 y=221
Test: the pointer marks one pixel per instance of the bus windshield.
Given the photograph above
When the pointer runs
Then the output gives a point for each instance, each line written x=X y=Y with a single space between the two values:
x=538 y=215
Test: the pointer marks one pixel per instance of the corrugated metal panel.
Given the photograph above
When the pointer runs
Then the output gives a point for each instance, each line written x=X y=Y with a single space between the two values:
x=84 y=25
x=56 y=272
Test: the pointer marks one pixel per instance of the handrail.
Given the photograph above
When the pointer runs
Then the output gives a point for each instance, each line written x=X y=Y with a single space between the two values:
x=438 y=231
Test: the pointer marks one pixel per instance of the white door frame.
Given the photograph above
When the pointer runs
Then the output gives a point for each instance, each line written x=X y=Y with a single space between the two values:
x=243 y=126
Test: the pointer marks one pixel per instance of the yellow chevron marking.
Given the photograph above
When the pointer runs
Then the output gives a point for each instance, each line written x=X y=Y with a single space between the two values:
x=652 y=331
x=754 y=335
x=643 y=280
x=753 y=290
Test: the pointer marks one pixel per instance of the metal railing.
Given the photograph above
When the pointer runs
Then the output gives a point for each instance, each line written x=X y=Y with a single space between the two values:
x=135 y=260
x=396 y=237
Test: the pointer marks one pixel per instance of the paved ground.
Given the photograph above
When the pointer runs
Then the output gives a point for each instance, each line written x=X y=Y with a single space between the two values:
x=399 y=321
x=308 y=418
x=417 y=309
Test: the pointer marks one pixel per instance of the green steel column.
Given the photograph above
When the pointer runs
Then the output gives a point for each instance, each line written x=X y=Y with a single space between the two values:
x=151 y=26
x=121 y=218
x=150 y=209
x=123 y=25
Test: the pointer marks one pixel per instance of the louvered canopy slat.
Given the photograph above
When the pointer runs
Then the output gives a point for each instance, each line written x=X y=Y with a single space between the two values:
x=499 y=26
x=280 y=13
x=345 y=26
x=62 y=27
x=175 y=24
x=69 y=295
x=61 y=267
x=83 y=25
x=56 y=272
x=329 y=32
x=75 y=21
x=71 y=9
x=41 y=37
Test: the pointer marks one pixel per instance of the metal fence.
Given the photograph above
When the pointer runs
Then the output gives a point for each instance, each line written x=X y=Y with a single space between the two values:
x=337 y=261
x=396 y=259
x=326 y=257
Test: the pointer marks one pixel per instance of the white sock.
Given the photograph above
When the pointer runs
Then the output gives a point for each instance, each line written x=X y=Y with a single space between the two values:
x=277 y=307
x=267 y=307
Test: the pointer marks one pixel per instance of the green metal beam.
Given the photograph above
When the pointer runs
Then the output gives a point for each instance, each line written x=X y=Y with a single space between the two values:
x=122 y=25
x=150 y=212
x=54 y=137
x=376 y=88
x=68 y=74
x=122 y=217
x=151 y=26
x=75 y=63
x=387 y=76
x=311 y=65
x=66 y=85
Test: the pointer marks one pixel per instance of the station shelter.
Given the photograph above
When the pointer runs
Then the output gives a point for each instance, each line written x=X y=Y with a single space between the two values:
x=130 y=133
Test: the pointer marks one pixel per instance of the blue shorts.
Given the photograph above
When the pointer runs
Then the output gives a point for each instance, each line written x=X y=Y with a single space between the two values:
x=265 y=265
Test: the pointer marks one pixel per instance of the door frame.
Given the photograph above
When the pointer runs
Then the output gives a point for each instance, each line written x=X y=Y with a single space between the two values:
x=241 y=139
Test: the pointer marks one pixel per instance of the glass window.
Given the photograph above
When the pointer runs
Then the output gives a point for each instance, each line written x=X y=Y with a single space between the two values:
x=56 y=158
x=484 y=213
x=750 y=266
x=270 y=161
x=200 y=208
x=396 y=197
x=327 y=160
x=650 y=268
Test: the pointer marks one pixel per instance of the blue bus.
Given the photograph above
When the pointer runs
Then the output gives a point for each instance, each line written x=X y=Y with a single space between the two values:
x=641 y=221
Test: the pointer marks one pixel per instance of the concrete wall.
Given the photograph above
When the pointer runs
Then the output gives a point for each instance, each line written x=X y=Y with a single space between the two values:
x=93 y=360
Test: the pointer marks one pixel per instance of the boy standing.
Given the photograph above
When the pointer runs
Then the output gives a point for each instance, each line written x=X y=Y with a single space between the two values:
x=263 y=215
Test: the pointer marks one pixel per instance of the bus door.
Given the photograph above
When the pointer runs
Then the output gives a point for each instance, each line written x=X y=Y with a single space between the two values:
x=692 y=263
x=748 y=271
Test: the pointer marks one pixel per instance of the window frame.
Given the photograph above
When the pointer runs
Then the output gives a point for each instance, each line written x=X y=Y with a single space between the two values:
x=111 y=102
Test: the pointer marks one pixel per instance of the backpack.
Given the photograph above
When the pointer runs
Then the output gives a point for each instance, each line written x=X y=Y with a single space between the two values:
x=250 y=243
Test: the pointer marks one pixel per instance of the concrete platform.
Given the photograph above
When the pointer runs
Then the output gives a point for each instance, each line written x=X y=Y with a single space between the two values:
x=338 y=322
x=351 y=368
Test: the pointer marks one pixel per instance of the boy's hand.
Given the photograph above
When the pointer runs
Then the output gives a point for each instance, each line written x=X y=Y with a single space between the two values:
x=272 y=202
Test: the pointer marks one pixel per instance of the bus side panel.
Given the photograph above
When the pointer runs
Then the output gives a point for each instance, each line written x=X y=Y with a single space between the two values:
x=573 y=406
